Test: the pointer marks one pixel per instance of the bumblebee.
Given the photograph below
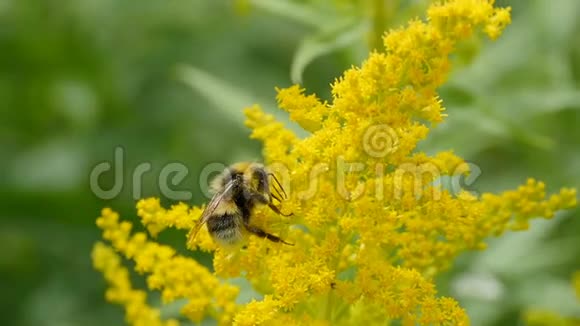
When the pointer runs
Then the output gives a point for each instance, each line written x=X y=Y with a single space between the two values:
x=237 y=190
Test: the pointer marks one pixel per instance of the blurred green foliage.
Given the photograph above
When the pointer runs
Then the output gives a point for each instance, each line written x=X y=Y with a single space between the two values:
x=167 y=82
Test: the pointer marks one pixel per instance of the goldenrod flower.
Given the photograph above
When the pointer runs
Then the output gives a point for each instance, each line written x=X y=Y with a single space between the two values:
x=371 y=225
x=175 y=276
x=138 y=312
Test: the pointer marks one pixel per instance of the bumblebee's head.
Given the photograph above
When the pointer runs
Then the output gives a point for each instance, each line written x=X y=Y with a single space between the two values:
x=250 y=178
x=247 y=176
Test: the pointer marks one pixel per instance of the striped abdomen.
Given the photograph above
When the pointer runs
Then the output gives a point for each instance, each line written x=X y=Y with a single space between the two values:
x=225 y=229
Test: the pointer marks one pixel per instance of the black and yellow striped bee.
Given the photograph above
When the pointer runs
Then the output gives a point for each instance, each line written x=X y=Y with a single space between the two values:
x=237 y=190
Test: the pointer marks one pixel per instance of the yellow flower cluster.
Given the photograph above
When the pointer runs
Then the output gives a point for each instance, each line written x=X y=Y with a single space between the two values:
x=371 y=225
x=175 y=276
x=138 y=312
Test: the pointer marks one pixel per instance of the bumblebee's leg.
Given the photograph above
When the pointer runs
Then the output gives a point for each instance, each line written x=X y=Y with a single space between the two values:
x=277 y=210
x=260 y=198
x=275 y=197
x=265 y=200
x=279 y=185
x=263 y=234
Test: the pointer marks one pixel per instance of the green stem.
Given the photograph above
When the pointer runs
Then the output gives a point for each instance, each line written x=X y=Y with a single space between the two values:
x=379 y=24
x=329 y=307
x=341 y=310
x=382 y=14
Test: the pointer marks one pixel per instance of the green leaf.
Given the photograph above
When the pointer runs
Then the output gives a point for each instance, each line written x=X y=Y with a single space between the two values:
x=293 y=11
x=529 y=249
x=226 y=98
x=556 y=294
x=324 y=42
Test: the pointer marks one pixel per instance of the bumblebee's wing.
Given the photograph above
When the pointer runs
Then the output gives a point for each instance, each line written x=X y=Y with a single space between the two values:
x=209 y=209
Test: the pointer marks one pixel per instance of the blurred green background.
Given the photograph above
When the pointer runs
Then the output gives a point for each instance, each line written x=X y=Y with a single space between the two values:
x=167 y=82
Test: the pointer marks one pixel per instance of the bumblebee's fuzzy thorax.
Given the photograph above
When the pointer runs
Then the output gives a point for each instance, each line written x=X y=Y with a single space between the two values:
x=244 y=174
x=237 y=190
